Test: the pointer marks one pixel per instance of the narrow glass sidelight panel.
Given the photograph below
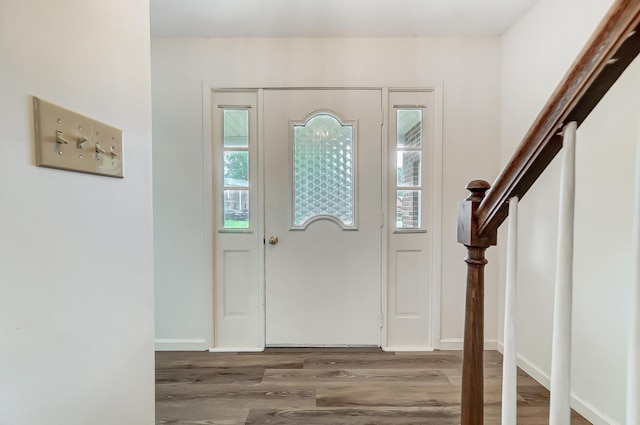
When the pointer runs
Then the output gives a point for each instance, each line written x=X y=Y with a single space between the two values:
x=409 y=128
x=236 y=165
x=236 y=209
x=409 y=214
x=409 y=153
x=236 y=128
x=323 y=162
x=410 y=168
x=236 y=169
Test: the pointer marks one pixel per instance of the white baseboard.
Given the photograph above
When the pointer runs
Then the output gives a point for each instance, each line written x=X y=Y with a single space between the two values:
x=235 y=349
x=458 y=344
x=586 y=409
x=407 y=348
x=180 y=344
x=591 y=412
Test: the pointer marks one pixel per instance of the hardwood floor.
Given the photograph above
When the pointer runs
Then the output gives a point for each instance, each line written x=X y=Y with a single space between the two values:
x=330 y=386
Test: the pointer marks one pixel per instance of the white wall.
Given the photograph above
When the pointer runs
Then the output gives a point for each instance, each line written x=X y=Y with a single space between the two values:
x=468 y=67
x=76 y=271
x=537 y=52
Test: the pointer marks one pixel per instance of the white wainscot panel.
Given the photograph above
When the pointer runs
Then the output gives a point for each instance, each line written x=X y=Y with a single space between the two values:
x=409 y=300
x=238 y=318
x=407 y=284
x=236 y=283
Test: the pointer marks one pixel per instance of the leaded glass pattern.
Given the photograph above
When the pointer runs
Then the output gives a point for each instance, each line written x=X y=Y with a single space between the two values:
x=323 y=162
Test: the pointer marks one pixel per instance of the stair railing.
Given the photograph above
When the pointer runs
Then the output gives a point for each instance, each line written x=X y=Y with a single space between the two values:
x=610 y=50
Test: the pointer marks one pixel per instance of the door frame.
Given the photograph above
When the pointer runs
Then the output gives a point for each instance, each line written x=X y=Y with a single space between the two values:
x=435 y=226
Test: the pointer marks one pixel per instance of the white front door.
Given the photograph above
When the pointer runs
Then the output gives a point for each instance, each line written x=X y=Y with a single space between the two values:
x=323 y=217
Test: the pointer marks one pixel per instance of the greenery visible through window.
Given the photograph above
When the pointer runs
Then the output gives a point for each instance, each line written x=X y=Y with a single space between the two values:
x=236 y=168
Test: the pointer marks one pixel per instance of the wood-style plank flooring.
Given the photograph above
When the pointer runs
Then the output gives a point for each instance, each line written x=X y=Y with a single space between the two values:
x=350 y=386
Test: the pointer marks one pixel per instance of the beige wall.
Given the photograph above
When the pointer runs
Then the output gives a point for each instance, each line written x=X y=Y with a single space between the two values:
x=537 y=51
x=76 y=250
x=467 y=67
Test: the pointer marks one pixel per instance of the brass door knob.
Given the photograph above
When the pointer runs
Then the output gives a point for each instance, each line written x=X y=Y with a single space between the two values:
x=273 y=240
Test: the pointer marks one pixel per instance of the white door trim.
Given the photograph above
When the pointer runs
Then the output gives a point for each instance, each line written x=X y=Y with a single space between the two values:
x=436 y=214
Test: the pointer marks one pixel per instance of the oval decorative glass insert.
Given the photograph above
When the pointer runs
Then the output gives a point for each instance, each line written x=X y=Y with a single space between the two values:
x=323 y=164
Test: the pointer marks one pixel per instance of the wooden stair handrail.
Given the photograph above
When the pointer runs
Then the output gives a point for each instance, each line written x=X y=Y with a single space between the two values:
x=609 y=51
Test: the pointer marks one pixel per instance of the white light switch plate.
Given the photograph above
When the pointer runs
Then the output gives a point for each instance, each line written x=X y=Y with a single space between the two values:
x=73 y=142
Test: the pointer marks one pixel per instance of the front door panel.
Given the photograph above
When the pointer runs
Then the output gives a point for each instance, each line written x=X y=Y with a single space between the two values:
x=323 y=217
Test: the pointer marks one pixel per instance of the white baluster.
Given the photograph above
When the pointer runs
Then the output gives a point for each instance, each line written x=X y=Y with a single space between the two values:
x=633 y=361
x=509 y=361
x=560 y=407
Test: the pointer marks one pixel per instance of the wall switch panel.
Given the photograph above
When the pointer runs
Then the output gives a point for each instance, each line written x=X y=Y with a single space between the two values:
x=73 y=142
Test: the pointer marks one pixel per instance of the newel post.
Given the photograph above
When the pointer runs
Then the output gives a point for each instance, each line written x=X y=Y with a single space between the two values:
x=472 y=408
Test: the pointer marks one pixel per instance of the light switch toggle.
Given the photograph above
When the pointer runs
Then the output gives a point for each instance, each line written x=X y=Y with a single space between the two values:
x=59 y=139
x=81 y=141
x=99 y=149
x=114 y=154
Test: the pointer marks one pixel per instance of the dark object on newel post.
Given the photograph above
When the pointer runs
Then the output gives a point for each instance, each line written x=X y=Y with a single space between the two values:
x=472 y=403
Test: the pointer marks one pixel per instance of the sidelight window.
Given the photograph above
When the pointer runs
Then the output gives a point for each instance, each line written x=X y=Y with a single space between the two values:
x=236 y=168
x=408 y=149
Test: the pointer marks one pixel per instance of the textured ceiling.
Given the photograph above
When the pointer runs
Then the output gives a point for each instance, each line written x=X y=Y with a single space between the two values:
x=334 y=18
